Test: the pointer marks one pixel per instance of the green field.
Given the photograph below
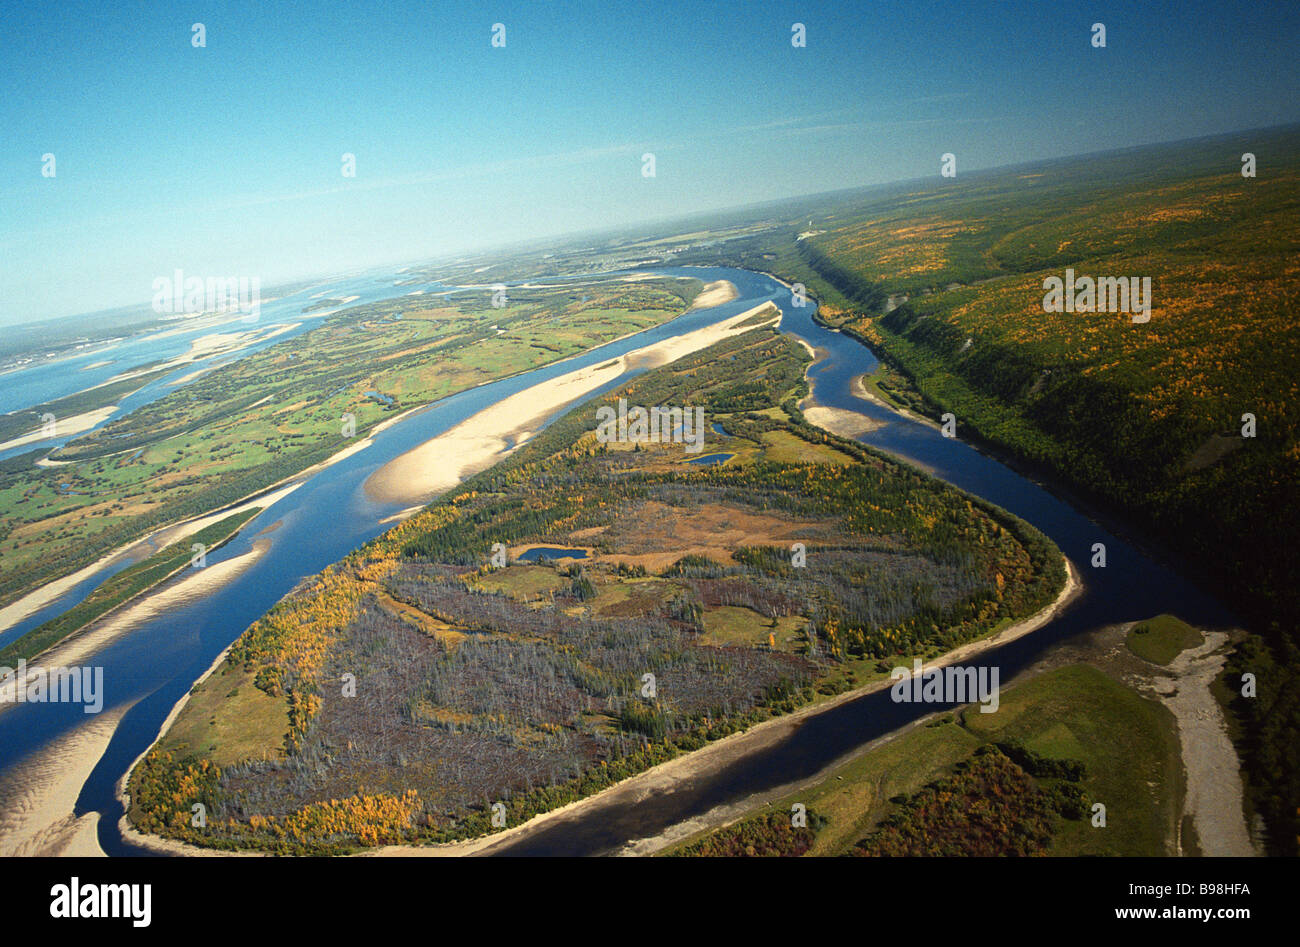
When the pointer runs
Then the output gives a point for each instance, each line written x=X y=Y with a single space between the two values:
x=1128 y=747
x=1161 y=639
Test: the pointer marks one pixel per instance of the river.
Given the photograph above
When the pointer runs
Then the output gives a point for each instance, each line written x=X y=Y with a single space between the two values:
x=149 y=668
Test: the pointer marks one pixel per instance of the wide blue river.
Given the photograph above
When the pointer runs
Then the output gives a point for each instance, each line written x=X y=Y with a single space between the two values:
x=150 y=667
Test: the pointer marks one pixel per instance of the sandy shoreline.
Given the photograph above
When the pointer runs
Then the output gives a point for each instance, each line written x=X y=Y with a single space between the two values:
x=37 y=599
x=839 y=421
x=860 y=390
x=37 y=799
x=481 y=440
x=64 y=427
x=420 y=465
x=416 y=476
x=152 y=842
x=146 y=545
x=74 y=651
x=214 y=343
x=1214 y=787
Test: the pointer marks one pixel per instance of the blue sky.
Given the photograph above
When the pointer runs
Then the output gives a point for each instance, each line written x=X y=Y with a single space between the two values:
x=226 y=161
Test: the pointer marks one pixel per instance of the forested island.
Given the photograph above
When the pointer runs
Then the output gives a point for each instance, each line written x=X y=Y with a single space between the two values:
x=425 y=690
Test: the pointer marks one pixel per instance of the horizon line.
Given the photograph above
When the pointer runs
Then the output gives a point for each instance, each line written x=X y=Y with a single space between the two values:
x=572 y=236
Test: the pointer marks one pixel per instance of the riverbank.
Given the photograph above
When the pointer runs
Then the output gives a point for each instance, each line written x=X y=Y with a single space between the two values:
x=715 y=294
x=67 y=427
x=492 y=841
x=1121 y=522
x=37 y=799
x=1215 y=794
x=153 y=843
x=139 y=549
x=483 y=439
x=838 y=421
x=75 y=650
x=33 y=599
x=860 y=390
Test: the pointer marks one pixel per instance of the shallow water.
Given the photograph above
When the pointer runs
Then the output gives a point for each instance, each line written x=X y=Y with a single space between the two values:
x=551 y=552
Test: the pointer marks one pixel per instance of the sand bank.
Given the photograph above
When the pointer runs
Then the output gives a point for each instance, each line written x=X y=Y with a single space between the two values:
x=37 y=796
x=860 y=390
x=191 y=586
x=839 y=421
x=1214 y=788
x=16 y=611
x=715 y=294
x=207 y=346
x=64 y=427
x=479 y=441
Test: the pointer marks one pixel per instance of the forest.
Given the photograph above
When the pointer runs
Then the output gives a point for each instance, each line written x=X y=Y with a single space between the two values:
x=1186 y=428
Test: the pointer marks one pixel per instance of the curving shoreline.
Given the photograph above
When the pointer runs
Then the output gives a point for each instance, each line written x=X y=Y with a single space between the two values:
x=484 y=438
x=40 y=798
x=662 y=776
x=66 y=763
